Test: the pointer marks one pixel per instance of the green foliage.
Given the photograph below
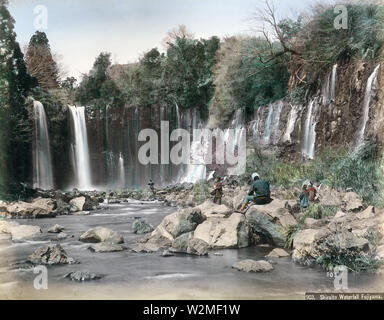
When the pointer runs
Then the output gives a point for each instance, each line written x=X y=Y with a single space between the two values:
x=321 y=45
x=290 y=234
x=318 y=211
x=97 y=88
x=297 y=95
x=354 y=261
x=15 y=127
x=245 y=77
x=358 y=170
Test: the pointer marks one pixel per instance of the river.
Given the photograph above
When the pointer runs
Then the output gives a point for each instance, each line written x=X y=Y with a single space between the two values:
x=129 y=275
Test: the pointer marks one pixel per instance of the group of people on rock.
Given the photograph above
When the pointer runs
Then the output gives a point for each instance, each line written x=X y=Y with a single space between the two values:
x=260 y=193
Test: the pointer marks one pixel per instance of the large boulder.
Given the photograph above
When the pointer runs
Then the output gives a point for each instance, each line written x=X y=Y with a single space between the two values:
x=182 y=222
x=172 y=226
x=352 y=202
x=77 y=204
x=140 y=226
x=210 y=209
x=197 y=247
x=329 y=197
x=101 y=234
x=181 y=243
x=50 y=255
x=39 y=208
x=18 y=231
x=271 y=220
x=186 y=243
x=253 y=266
x=231 y=232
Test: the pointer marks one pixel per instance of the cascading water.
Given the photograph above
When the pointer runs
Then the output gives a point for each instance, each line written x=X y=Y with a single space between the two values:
x=197 y=169
x=371 y=84
x=276 y=120
x=256 y=124
x=333 y=86
x=293 y=114
x=81 y=163
x=42 y=161
x=329 y=87
x=308 y=148
x=267 y=131
x=121 y=172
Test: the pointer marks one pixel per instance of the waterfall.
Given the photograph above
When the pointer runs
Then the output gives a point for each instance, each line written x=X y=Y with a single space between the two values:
x=276 y=119
x=121 y=172
x=293 y=114
x=267 y=131
x=329 y=87
x=308 y=148
x=42 y=161
x=256 y=124
x=81 y=164
x=332 y=86
x=372 y=82
x=196 y=170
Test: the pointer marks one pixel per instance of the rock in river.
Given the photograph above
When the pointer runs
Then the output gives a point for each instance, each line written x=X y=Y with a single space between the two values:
x=101 y=234
x=19 y=231
x=56 y=229
x=271 y=220
x=83 y=276
x=50 y=255
x=107 y=247
x=140 y=226
x=253 y=266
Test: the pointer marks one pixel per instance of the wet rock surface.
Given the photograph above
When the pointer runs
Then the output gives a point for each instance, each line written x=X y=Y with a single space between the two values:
x=250 y=265
x=101 y=234
x=50 y=255
x=83 y=276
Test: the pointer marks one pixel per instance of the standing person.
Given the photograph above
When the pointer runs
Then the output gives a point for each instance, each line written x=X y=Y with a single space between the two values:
x=151 y=185
x=218 y=191
x=304 y=198
x=312 y=192
x=259 y=192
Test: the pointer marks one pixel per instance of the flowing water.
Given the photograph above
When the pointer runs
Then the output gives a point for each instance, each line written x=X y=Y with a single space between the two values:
x=309 y=140
x=293 y=114
x=81 y=163
x=276 y=120
x=267 y=130
x=42 y=160
x=196 y=170
x=371 y=84
x=121 y=172
x=332 y=90
x=129 y=275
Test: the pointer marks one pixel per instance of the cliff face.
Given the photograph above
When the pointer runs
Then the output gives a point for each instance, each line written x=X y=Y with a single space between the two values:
x=347 y=110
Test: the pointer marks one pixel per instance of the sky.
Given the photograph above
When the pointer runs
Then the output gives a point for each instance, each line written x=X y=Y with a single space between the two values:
x=78 y=30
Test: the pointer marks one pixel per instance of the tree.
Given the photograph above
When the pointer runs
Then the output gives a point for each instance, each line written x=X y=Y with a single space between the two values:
x=177 y=33
x=15 y=84
x=96 y=87
x=40 y=62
